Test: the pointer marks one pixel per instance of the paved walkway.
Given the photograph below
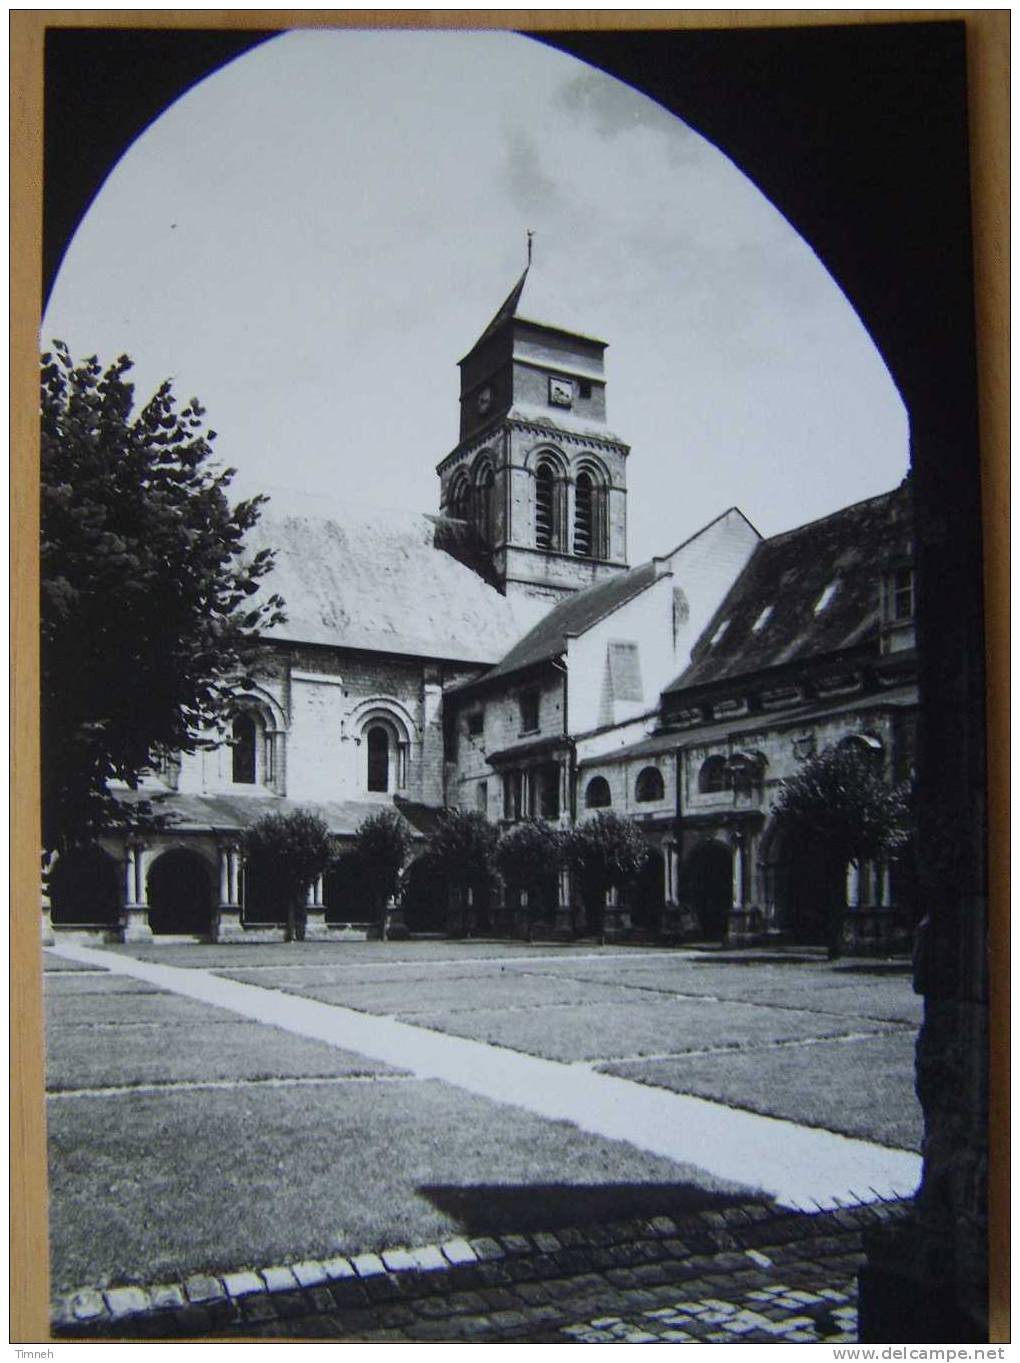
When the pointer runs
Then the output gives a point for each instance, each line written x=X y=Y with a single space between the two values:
x=800 y=1167
x=747 y=1274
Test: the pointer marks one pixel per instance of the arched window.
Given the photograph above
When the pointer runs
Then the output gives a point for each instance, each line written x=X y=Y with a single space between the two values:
x=460 y=497
x=650 y=786
x=713 y=776
x=378 y=739
x=244 y=735
x=867 y=747
x=485 y=518
x=597 y=794
x=545 y=507
x=589 y=516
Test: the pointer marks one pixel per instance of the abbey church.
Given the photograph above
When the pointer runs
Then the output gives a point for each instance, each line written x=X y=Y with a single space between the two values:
x=503 y=656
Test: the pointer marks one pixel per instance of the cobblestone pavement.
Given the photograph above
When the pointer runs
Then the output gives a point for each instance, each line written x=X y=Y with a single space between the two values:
x=747 y=1274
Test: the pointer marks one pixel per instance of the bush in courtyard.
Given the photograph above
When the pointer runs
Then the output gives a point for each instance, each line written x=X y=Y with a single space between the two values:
x=604 y=852
x=842 y=800
x=381 y=845
x=527 y=854
x=463 y=846
x=286 y=853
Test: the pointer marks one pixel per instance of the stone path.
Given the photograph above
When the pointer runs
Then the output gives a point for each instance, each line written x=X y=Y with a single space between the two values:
x=799 y=1167
x=748 y=1274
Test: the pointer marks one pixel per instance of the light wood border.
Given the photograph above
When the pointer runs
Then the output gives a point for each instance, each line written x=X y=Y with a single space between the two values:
x=988 y=73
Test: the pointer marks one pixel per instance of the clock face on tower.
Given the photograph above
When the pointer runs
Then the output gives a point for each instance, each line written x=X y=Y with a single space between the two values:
x=484 y=399
x=561 y=392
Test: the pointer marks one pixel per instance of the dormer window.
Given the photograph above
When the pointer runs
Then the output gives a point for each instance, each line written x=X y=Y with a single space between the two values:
x=899 y=594
x=719 y=633
x=826 y=596
x=762 y=620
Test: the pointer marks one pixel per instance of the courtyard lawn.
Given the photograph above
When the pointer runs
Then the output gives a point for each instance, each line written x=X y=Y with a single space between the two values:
x=146 y=1186
x=667 y=1026
x=863 y=1087
x=295 y=1148
x=199 y=1053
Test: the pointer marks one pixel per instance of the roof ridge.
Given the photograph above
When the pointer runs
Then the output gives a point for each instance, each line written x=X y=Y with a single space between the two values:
x=831 y=515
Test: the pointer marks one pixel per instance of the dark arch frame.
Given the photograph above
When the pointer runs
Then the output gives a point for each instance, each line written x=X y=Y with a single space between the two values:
x=868 y=190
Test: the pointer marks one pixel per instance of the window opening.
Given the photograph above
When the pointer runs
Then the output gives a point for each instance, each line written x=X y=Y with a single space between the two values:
x=650 y=785
x=243 y=738
x=597 y=794
x=583 y=512
x=529 y=711
x=378 y=758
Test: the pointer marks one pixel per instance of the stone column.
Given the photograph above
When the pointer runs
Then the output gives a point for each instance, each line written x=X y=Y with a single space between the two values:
x=227 y=927
x=315 y=912
x=853 y=886
x=136 y=905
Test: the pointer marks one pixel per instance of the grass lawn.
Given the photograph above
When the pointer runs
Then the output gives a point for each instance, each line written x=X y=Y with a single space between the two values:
x=54 y=964
x=233 y=1050
x=662 y=1026
x=149 y=1186
x=502 y=992
x=861 y=1088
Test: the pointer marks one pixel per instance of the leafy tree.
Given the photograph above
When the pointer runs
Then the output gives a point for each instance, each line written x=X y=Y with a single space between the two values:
x=381 y=845
x=842 y=800
x=462 y=845
x=527 y=854
x=604 y=852
x=147 y=620
x=285 y=854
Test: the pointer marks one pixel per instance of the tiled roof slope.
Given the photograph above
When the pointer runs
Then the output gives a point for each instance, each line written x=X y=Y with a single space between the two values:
x=374 y=579
x=189 y=811
x=573 y=615
x=790 y=573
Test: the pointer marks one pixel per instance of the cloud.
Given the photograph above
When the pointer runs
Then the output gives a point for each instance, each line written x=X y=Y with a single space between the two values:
x=528 y=183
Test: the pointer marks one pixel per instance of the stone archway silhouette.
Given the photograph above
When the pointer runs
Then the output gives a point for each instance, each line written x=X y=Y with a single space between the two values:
x=878 y=187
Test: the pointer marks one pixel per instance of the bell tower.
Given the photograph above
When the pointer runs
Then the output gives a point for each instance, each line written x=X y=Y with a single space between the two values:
x=536 y=471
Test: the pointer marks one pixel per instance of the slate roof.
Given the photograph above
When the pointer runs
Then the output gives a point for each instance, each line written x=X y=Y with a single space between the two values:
x=789 y=573
x=534 y=302
x=232 y=813
x=374 y=579
x=573 y=615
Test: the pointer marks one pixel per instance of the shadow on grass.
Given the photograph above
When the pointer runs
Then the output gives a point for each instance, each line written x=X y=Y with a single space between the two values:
x=501 y=1209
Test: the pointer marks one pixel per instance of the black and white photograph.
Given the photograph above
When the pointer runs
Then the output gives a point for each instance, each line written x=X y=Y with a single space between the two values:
x=513 y=758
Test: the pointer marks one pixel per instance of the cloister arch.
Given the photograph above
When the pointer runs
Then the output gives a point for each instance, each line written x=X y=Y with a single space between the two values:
x=180 y=889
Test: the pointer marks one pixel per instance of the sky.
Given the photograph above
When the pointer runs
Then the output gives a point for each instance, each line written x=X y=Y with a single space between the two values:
x=311 y=238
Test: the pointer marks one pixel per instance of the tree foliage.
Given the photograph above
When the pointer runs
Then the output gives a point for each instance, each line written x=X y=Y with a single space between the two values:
x=527 y=854
x=381 y=846
x=148 y=623
x=605 y=852
x=841 y=798
x=463 y=846
x=286 y=853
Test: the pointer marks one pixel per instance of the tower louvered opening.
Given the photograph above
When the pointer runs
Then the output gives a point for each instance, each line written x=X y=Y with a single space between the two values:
x=545 y=492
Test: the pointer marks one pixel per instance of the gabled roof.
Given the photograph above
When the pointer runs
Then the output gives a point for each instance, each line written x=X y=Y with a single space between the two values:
x=786 y=579
x=374 y=579
x=573 y=615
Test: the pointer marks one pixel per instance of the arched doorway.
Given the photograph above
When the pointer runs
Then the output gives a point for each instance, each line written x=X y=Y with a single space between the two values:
x=180 y=890
x=346 y=894
x=86 y=889
x=648 y=896
x=425 y=896
x=811 y=891
x=708 y=888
